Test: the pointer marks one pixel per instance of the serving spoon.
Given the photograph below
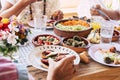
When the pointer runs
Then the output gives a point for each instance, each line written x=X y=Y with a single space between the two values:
x=105 y=15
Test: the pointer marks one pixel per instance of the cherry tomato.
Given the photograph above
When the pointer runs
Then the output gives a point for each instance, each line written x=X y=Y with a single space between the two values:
x=47 y=43
x=40 y=42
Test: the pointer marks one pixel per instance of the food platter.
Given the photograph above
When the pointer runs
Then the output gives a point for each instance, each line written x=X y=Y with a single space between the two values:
x=35 y=59
x=96 y=55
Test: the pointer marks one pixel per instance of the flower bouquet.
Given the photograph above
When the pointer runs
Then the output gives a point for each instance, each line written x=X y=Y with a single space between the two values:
x=12 y=35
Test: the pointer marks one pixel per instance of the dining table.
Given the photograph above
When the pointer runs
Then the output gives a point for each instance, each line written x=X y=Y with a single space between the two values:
x=90 y=71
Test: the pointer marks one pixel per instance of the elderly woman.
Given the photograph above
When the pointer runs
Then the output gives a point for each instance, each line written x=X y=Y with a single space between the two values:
x=26 y=9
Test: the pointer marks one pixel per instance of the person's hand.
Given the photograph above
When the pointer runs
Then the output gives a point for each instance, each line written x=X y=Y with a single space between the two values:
x=57 y=15
x=61 y=70
x=94 y=11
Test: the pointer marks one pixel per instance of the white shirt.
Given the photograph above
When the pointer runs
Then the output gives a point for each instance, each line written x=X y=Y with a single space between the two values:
x=51 y=7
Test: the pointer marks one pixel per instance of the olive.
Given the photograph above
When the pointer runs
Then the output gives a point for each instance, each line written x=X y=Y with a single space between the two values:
x=76 y=38
x=68 y=43
x=107 y=60
x=75 y=44
x=88 y=20
x=70 y=40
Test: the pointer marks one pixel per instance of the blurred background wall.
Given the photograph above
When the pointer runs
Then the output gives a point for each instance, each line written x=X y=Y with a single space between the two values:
x=69 y=7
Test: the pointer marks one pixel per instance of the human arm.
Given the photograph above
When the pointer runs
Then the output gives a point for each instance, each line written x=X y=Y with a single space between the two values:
x=113 y=14
x=61 y=70
x=14 y=9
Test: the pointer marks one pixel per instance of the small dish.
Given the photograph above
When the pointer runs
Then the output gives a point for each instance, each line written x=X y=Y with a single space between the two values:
x=45 y=39
x=78 y=49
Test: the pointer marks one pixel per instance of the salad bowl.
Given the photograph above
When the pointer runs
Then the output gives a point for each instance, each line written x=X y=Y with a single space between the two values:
x=72 y=27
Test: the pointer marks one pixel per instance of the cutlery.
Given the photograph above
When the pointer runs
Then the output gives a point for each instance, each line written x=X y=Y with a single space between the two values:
x=105 y=15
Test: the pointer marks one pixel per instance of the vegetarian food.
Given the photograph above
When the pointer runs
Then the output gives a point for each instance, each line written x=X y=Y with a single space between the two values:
x=94 y=36
x=84 y=57
x=110 y=56
x=46 y=40
x=73 y=25
x=75 y=41
x=56 y=56
x=117 y=28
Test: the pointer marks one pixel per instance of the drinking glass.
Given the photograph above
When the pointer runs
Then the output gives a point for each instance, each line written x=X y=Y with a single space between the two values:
x=106 y=32
x=39 y=19
x=40 y=22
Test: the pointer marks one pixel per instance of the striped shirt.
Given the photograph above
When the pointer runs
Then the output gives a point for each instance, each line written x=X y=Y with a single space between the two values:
x=12 y=71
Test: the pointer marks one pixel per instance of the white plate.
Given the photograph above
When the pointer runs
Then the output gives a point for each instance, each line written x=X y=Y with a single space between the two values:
x=35 y=59
x=97 y=56
x=31 y=23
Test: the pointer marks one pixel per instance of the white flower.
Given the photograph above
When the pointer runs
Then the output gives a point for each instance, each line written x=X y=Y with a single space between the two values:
x=10 y=27
x=13 y=28
x=16 y=29
x=12 y=39
x=4 y=34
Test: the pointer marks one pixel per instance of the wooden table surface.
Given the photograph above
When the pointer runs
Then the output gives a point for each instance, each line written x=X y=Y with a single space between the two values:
x=91 y=71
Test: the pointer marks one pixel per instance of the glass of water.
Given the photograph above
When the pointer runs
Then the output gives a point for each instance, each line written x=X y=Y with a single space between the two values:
x=40 y=22
x=106 y=32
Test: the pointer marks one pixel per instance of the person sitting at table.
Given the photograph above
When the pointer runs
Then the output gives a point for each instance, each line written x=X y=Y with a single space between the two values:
x=61 y=70
x=25 y=9
x=113 y=14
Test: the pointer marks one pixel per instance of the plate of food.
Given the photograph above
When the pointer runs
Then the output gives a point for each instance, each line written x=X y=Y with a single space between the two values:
x=49 y=24
x=39 y=56
x=106 y=54
x=45 y=39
